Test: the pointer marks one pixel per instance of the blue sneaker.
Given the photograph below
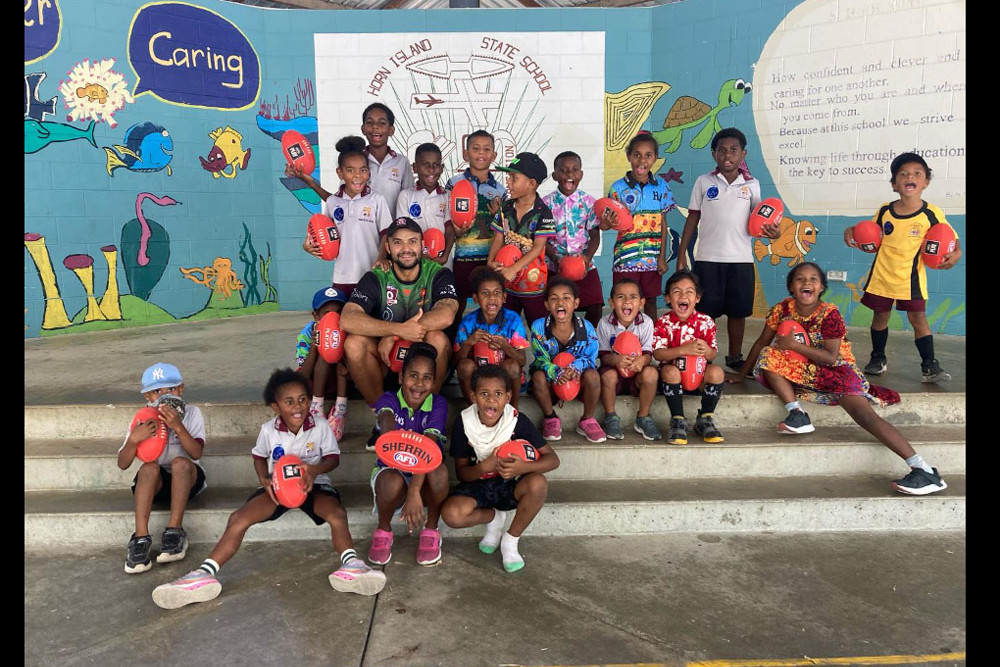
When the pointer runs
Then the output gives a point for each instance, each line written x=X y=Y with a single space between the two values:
x=920 y=482
x=647 y=427
x=613 y=427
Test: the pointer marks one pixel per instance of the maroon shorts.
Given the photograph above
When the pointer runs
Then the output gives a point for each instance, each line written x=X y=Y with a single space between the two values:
x=463 y=282
x=883 y=304
x=591 y=292
x=345 y=288
x=627 y=386
x=533 y=307
x=649 y=281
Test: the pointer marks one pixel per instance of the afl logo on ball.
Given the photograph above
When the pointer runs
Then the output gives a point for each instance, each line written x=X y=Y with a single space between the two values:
x=405 y=459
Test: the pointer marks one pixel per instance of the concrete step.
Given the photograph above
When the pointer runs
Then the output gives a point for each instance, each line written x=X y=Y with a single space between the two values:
x=89 y=463
x=815 y=503
x=735 y=410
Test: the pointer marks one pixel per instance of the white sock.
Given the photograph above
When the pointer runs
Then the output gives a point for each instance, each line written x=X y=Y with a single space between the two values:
x=917 y=461
x=508 y=549
x=317 y=403
x=340 y=407
x=794 y=405
x=494 y=529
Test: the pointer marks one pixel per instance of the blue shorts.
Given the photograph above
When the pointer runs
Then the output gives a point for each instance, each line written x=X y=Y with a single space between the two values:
x=306 y=507
x=490 y=493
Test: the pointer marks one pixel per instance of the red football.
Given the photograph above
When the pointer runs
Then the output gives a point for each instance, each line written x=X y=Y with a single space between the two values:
x=408 y=451
x=297 y=151
x=623 y=219
x=692 y=368
x=768 y=210
x=521 y=449
x=627 y=344
x=938 y=242
x=286 y=481
x=398 y=354
x=324 y=233
x=867 y=235
x=434 y=243
x=484 y=354
x=566 y=391
x=793 y=328
x=508 y=255
x=330 y=337
x=463 y=204
x=573 y=267
x=150 y=449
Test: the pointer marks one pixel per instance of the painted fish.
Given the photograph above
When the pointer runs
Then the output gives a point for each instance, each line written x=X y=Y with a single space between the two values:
x=39 y=133
x=794 y=243
x=227 y=155
x=147 y=149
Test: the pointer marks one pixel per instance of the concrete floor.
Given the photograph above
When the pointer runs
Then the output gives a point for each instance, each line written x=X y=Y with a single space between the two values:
x=663 y=599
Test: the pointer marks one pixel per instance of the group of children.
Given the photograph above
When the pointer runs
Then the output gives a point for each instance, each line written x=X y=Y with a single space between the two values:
x=374 y=183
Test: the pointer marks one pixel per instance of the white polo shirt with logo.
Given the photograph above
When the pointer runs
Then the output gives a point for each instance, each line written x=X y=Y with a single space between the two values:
x=388 y=178
x=360 y=220
x=725 y=208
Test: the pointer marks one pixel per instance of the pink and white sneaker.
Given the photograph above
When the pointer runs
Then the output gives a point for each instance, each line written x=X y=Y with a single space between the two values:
x=429 y=550
x=591 y=430
x=195 y=586
x=357 y=577
x=552 y=428
x=380 y=552
x=337 y=417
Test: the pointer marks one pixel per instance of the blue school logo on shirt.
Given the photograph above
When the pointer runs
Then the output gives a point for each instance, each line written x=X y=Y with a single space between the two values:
x=338 y=214
x=887 y=228
x=278 y=452
x=414 y=210
x=630 y=198
x=712 y=192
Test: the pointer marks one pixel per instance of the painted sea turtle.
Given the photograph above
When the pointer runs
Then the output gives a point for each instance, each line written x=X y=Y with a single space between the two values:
x=687 y=112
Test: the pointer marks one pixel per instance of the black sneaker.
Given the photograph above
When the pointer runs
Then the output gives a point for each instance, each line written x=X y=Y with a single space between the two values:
x=735 y=363
x=876 y=366
x=932 y=372
x=920 y=482
x=370 y=445
x=173 y=545
x=705 y=426
x=796 y=422
x=137 y=557
x=677 y=434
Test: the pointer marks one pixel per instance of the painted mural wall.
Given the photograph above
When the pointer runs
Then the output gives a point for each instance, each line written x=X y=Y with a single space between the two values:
x=155 y=187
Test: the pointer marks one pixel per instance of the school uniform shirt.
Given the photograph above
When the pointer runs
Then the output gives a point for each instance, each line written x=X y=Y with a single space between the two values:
x=360 y=220
x=474 y=244
x=313 y=443
x=608 y=328
x=383 y=295
x=429 y=209
x=639 y=249
x=573 y=219
x=388 y=178
x=430 y=418
x=671 y=331
x=725 y=207
x=470 y=439
x=507 y=324
x=537 y=223
x=544 y=346
x=898 y=270
x=194 y=422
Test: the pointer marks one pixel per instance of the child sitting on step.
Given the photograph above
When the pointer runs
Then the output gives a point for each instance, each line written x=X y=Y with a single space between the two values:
x=828 y=373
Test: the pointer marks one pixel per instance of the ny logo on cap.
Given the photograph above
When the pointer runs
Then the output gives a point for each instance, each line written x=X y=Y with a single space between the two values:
x=157 y=373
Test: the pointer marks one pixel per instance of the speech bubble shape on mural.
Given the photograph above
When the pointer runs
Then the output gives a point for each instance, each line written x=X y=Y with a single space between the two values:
x=42 y=27
x=842 y=88
x=190 y=56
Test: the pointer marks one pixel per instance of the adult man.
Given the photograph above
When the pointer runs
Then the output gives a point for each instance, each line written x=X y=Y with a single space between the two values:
x=415 y=299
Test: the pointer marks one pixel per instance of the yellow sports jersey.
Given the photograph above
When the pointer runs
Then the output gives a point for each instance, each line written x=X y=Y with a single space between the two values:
x=898 y=269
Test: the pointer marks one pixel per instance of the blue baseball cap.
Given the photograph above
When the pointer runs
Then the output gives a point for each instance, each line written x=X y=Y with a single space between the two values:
x=326 y=295
x=159 y=376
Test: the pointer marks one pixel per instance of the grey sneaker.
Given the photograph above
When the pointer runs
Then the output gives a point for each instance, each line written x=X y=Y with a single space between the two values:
x=797 y=421
x=137 y=557
x=173 y=545
x=919 y=482
x=932 y=372
x=647 y=427
x=705 y=426
x=678 y=431
x=613 y=426
x=876 y=366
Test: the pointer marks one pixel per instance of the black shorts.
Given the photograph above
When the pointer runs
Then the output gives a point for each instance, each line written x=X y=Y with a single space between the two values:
x=726 y=289
x=163 y=495
x=490 y=493
x=306 y=507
